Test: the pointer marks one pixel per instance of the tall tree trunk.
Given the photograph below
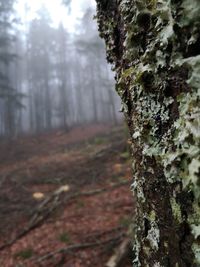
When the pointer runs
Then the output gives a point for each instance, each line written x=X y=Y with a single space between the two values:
x=93 y=91
x=155 y=48
x=47 y=104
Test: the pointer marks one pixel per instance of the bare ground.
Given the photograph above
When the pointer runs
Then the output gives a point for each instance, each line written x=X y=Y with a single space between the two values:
x=89 y=220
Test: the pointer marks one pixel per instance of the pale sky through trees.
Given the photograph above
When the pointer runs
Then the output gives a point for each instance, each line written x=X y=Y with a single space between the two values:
x=57 y=11
x=61 y=74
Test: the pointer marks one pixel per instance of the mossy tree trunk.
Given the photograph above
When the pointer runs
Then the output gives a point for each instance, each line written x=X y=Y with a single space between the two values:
x=154 y=46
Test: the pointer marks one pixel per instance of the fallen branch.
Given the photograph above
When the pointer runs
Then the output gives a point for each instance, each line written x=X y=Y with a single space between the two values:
x=94 y=236
x=124 y=249
x=120 y=254
x=49 y=204
x=109 y=148
x=71 y=248
x=97 y=191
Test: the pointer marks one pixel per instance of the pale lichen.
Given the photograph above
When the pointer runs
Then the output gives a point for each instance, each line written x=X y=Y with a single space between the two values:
x=154 y=46
x=154 y=236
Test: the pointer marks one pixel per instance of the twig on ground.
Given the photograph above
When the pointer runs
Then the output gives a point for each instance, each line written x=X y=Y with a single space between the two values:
x=49 y=204
x=123 y=250
x=71 y=248
x=120 y=254
x=109 y=148
x=103 y=233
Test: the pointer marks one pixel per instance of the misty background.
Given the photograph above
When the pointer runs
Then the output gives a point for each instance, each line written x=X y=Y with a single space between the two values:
x=53 y=69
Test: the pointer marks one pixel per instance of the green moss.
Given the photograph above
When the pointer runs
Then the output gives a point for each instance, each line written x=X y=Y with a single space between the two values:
x=176 y=210
x=99 y=140
x=152 y=216
x=24 y=254
x=65 y=237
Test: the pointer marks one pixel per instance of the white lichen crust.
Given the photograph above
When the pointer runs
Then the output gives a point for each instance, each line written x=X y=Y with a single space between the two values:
x=154 y=46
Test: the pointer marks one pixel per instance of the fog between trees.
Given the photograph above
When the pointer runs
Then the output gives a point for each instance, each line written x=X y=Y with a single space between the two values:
x=51 y=78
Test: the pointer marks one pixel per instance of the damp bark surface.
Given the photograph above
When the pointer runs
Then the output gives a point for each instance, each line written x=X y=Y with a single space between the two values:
x=154 y=47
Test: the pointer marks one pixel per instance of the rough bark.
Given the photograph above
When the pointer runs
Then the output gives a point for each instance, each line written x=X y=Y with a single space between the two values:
x=154 y=46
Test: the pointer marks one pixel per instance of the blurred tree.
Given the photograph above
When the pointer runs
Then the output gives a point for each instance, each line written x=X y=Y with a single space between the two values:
x=155 y=49
x=10 y=100
x=40 y=52
x=98 y=81
x=63 y=75
x=67 y=2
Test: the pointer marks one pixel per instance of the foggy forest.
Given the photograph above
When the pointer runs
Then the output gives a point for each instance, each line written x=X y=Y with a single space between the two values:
x=52 y=78
x=99 y=133
x=64 y=175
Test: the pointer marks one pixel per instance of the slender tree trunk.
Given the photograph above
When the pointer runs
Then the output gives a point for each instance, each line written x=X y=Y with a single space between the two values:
x=93 y=91
x=48 y=106
x=79 y=96
x=155 y=49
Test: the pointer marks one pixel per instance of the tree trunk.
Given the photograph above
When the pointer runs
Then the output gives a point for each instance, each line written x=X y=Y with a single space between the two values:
x=155 y=49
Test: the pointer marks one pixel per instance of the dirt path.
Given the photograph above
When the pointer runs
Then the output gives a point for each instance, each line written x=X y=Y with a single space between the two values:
x=95 y=160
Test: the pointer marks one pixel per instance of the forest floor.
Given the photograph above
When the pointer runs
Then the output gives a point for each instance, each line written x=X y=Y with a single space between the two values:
x=65 y=198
